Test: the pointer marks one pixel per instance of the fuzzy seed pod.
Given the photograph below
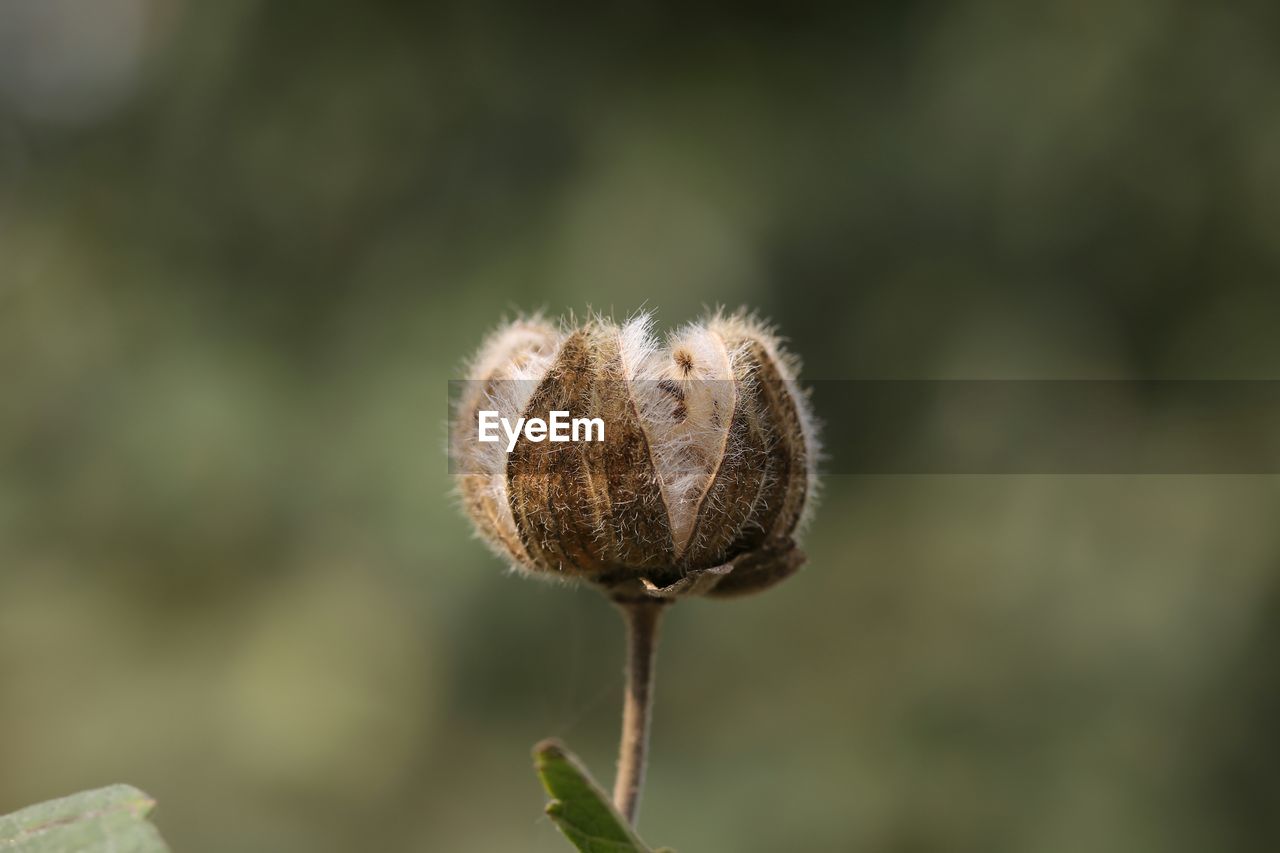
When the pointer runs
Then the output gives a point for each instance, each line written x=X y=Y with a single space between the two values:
x=704 y=475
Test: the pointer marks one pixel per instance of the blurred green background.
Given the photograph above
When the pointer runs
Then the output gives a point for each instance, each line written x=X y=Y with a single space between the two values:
x=244 y=245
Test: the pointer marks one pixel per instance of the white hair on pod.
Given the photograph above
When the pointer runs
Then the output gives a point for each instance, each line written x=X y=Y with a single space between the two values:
x=684 y=395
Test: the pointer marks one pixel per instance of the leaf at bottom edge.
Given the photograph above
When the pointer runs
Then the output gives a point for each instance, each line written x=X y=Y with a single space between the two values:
x=580 y=807
x=107 y=819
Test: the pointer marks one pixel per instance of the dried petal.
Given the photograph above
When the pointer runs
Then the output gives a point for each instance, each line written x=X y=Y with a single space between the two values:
x=503 y=376
x=591 y=509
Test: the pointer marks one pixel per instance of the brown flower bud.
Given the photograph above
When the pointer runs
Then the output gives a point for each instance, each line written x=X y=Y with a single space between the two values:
x=704 y=474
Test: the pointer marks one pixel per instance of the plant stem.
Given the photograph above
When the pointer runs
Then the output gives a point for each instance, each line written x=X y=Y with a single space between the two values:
x=641 y=617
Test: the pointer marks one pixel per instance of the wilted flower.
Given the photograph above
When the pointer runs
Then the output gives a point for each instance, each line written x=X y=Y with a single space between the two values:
x=705 y=472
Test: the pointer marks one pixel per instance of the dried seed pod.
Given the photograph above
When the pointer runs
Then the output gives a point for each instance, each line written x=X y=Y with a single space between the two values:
x=704 y=474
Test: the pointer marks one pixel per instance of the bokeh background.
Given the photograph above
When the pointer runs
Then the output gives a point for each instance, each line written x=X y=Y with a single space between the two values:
x=244 y=245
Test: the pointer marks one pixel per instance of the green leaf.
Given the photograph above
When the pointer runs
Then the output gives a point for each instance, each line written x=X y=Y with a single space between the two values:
x=579 y=807
x=108 y=820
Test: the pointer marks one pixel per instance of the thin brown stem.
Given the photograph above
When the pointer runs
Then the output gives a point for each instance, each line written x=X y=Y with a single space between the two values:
x=641 y=617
